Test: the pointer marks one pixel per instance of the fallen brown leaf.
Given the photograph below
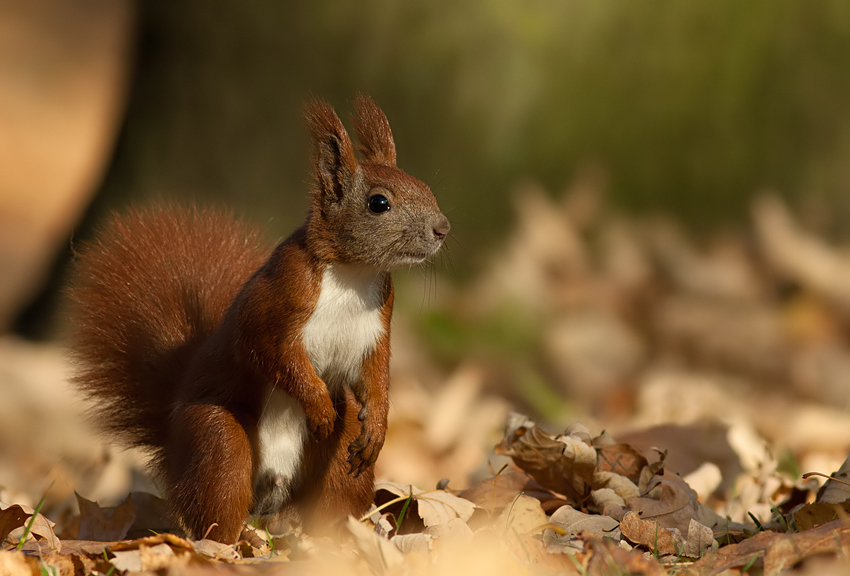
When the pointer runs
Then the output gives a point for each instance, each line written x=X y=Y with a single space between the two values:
x=11 y=519
x=74 y=547
x=649 y=533
x=524 y=516
x=170 y=539
x=41 y=527
x=786 y=550
x=671 y=502
x=65 y=563
x=149 y=558
x=152 y=515
x=573 y=521
x=776 y=551
x=688 y=447
x=621 y=459
x=606 y=558
x=809 y=516
x=837 y=488
x=496 y=492
x=561 y=463
x=95 y=525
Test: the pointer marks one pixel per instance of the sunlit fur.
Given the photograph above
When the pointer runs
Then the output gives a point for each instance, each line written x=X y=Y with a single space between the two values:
x=259 y=382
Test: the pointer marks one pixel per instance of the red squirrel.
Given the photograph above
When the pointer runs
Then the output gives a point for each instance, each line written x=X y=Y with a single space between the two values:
x=258 y=382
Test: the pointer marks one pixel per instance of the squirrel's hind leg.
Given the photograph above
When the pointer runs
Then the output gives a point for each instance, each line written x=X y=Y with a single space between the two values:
x=208 y=464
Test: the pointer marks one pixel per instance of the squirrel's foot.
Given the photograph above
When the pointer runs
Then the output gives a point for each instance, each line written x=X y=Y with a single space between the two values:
x=320 y=417
x=363 y=452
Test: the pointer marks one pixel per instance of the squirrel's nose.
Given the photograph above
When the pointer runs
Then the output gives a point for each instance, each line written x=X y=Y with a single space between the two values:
x=441 y=227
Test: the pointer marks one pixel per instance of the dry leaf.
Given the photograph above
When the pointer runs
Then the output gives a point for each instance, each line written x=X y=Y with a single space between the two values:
x=834 y=492
x=573 y=521
x=433 y=506
x=152 y=515
x=383 y=526
x=418 y=543
x=621 y=459
x=75 y=547
x=456 y=531
x=496 y=492
x=788 y=549
x=41 y=526
x=605 y=498
x=216 y=550
x=11 y=519
x=607 y=558
x=620 y=485
x=379 y=553
x=649 y=533
x=148 y=558
x=94 y=524
x=688 y=446
x=672 y=503
x=257 y=539
x=561 y=463
x=56 y=563
x=175 y=542
x=776 y=551
x=523 y=516
x=809 y=516
x=659 y=540
x=699 y=540
x=127 y=561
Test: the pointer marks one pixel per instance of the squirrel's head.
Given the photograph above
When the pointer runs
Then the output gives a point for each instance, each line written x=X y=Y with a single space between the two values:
x=367 y=211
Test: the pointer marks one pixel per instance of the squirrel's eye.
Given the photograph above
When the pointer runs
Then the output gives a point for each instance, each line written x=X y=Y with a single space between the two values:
x=378 y=204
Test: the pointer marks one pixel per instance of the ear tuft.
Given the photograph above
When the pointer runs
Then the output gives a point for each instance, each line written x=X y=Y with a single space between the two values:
x=376 y=144
x=333 y=154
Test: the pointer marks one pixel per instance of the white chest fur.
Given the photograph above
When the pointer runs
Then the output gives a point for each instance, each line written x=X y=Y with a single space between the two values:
x=343 y=329
x=346 y=324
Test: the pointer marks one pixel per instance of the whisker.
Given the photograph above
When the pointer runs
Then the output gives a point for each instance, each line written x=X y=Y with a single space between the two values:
x=434 y=280
x=447 y=254
x=424 y=291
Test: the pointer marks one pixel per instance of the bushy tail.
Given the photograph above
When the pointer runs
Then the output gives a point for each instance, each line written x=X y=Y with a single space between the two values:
x=151 y=287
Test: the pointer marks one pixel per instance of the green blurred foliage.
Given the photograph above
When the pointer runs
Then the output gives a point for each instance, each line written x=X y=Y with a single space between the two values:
x=688 y=106
x=507 y=334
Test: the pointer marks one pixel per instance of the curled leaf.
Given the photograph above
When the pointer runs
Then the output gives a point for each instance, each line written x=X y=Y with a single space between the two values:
x=562 y=463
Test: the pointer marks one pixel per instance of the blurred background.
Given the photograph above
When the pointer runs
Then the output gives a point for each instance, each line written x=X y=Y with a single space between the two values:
x=648 y=203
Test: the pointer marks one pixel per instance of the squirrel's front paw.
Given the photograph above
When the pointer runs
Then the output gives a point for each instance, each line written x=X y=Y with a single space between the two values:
x=363 y=452
x=320 y=418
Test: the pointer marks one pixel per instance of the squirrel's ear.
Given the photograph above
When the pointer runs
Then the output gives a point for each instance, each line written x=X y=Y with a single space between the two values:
x=333 y=154
x=376 y=145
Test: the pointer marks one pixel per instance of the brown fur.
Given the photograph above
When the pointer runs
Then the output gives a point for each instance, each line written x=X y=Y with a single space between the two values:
x=147 y=298
x=185 y=328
